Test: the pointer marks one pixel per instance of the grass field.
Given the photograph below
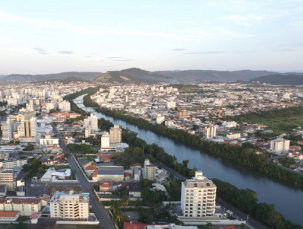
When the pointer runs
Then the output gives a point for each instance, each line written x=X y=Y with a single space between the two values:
x=278 y=125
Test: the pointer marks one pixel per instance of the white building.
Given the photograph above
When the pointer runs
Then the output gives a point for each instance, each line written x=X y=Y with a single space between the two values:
x=64 y=106
x=69 y=205
x=210 y=131
x=171 y=104
x=115 y=134
x=279 y=145
x=94 y=121
x=198 y=197
x=160 y=119
x=7 y=132
x=233 y=135
x=105 y=140
x=88 y=131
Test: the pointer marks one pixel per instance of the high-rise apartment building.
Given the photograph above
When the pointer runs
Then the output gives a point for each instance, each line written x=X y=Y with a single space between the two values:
x=29 y=127
x=115 y=134
x=94 y=121
x=69 y=205
x=279 y=145
x=210 y=131
x=198 y=197
x=7 y=131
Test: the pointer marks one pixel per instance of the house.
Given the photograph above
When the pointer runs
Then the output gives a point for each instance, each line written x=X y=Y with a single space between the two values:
x=106 y=186
x=104 y=158
x=9 y=216
x=134 y=225
x=89 y=167
x=134 y=189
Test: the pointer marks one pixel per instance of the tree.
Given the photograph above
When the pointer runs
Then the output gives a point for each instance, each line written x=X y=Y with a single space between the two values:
x=41 y=169
x=26 y=167
x=29 y=147
x=185 y=162
x=242 y=225
x=124 y=201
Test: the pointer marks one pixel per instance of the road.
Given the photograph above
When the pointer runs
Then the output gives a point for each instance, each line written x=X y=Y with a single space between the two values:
x=98 y=209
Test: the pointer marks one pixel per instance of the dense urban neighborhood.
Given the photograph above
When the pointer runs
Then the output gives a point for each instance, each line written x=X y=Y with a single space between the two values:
x=63 y=164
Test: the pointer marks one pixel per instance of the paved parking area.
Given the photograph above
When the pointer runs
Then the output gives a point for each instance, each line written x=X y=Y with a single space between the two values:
x=36 y=189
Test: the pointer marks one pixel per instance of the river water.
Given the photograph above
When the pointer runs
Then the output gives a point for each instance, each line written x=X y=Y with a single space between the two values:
x=288 y=200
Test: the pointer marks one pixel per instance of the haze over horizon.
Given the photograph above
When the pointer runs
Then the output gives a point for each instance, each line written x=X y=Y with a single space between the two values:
x=54 y=36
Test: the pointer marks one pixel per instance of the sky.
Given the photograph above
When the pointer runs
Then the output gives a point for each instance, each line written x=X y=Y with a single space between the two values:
x=52 y=36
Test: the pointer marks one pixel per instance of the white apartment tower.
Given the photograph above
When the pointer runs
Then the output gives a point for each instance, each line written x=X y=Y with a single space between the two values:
x=198 y=197
x=115 y=134
x=69 y=205
x=210 y=131
x=64 y=106
x=105 y=140
x=7 y=132
x=279 y=145
x=149 y=170
x=94 y=121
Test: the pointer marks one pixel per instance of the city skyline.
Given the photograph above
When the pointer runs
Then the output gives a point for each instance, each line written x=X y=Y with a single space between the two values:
x=53 y=36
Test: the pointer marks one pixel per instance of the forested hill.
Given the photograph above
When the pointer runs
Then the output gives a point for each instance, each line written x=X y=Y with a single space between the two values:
x=50 y=77
x=134 y=75
x=290 y=79
x=198 y=76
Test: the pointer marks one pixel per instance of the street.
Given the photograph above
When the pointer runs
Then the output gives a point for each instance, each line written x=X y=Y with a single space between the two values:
x=98 y=209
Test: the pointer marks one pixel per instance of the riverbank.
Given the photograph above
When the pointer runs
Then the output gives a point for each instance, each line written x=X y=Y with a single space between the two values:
x=272 y=212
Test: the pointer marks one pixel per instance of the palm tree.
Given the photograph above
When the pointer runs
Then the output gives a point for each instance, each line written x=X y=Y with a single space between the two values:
x=124 y=201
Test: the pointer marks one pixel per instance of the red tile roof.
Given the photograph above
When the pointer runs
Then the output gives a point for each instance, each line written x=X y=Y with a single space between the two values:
x=133 y=225
x=8 y=214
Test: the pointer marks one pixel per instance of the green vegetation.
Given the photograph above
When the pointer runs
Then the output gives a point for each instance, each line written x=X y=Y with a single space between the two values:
x=188 y=88
x=82 y=148
x=287 y=161
x=278 y=120
x=246 y=200
x=281 y=79
x=244 y=154
x=29 y=147
x=3 y=104
x=36 y=168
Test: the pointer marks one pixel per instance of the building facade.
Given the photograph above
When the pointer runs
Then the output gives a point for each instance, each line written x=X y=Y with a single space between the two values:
x=115 y=134
x=69 y=205
x=279 y=145
x=198 y=197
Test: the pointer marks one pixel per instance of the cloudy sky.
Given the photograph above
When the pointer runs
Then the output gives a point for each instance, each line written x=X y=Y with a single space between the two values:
x=56 y=36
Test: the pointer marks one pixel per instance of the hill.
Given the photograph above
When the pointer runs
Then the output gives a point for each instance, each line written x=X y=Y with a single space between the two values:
x=198 y=76
x=133 y=75
x=49 y=77
x=290 y=79
x=69 y=80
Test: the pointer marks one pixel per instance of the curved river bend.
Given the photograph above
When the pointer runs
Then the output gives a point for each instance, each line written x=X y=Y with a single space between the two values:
x=287 y=199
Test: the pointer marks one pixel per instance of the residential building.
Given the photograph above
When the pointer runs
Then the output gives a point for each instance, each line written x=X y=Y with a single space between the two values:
x=149 y=170
x=29 y=127
x=7 y=132
x=69 y=206
x=105 y=140
x=115 y=134
x=210 y=131
x=279 y=145
x=9 y=216
x=160 y=119
x=198 y=197
x=233 y=135
x=25 y=206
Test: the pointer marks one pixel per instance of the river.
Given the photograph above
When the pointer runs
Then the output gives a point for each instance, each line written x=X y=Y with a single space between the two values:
x=288 y=200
